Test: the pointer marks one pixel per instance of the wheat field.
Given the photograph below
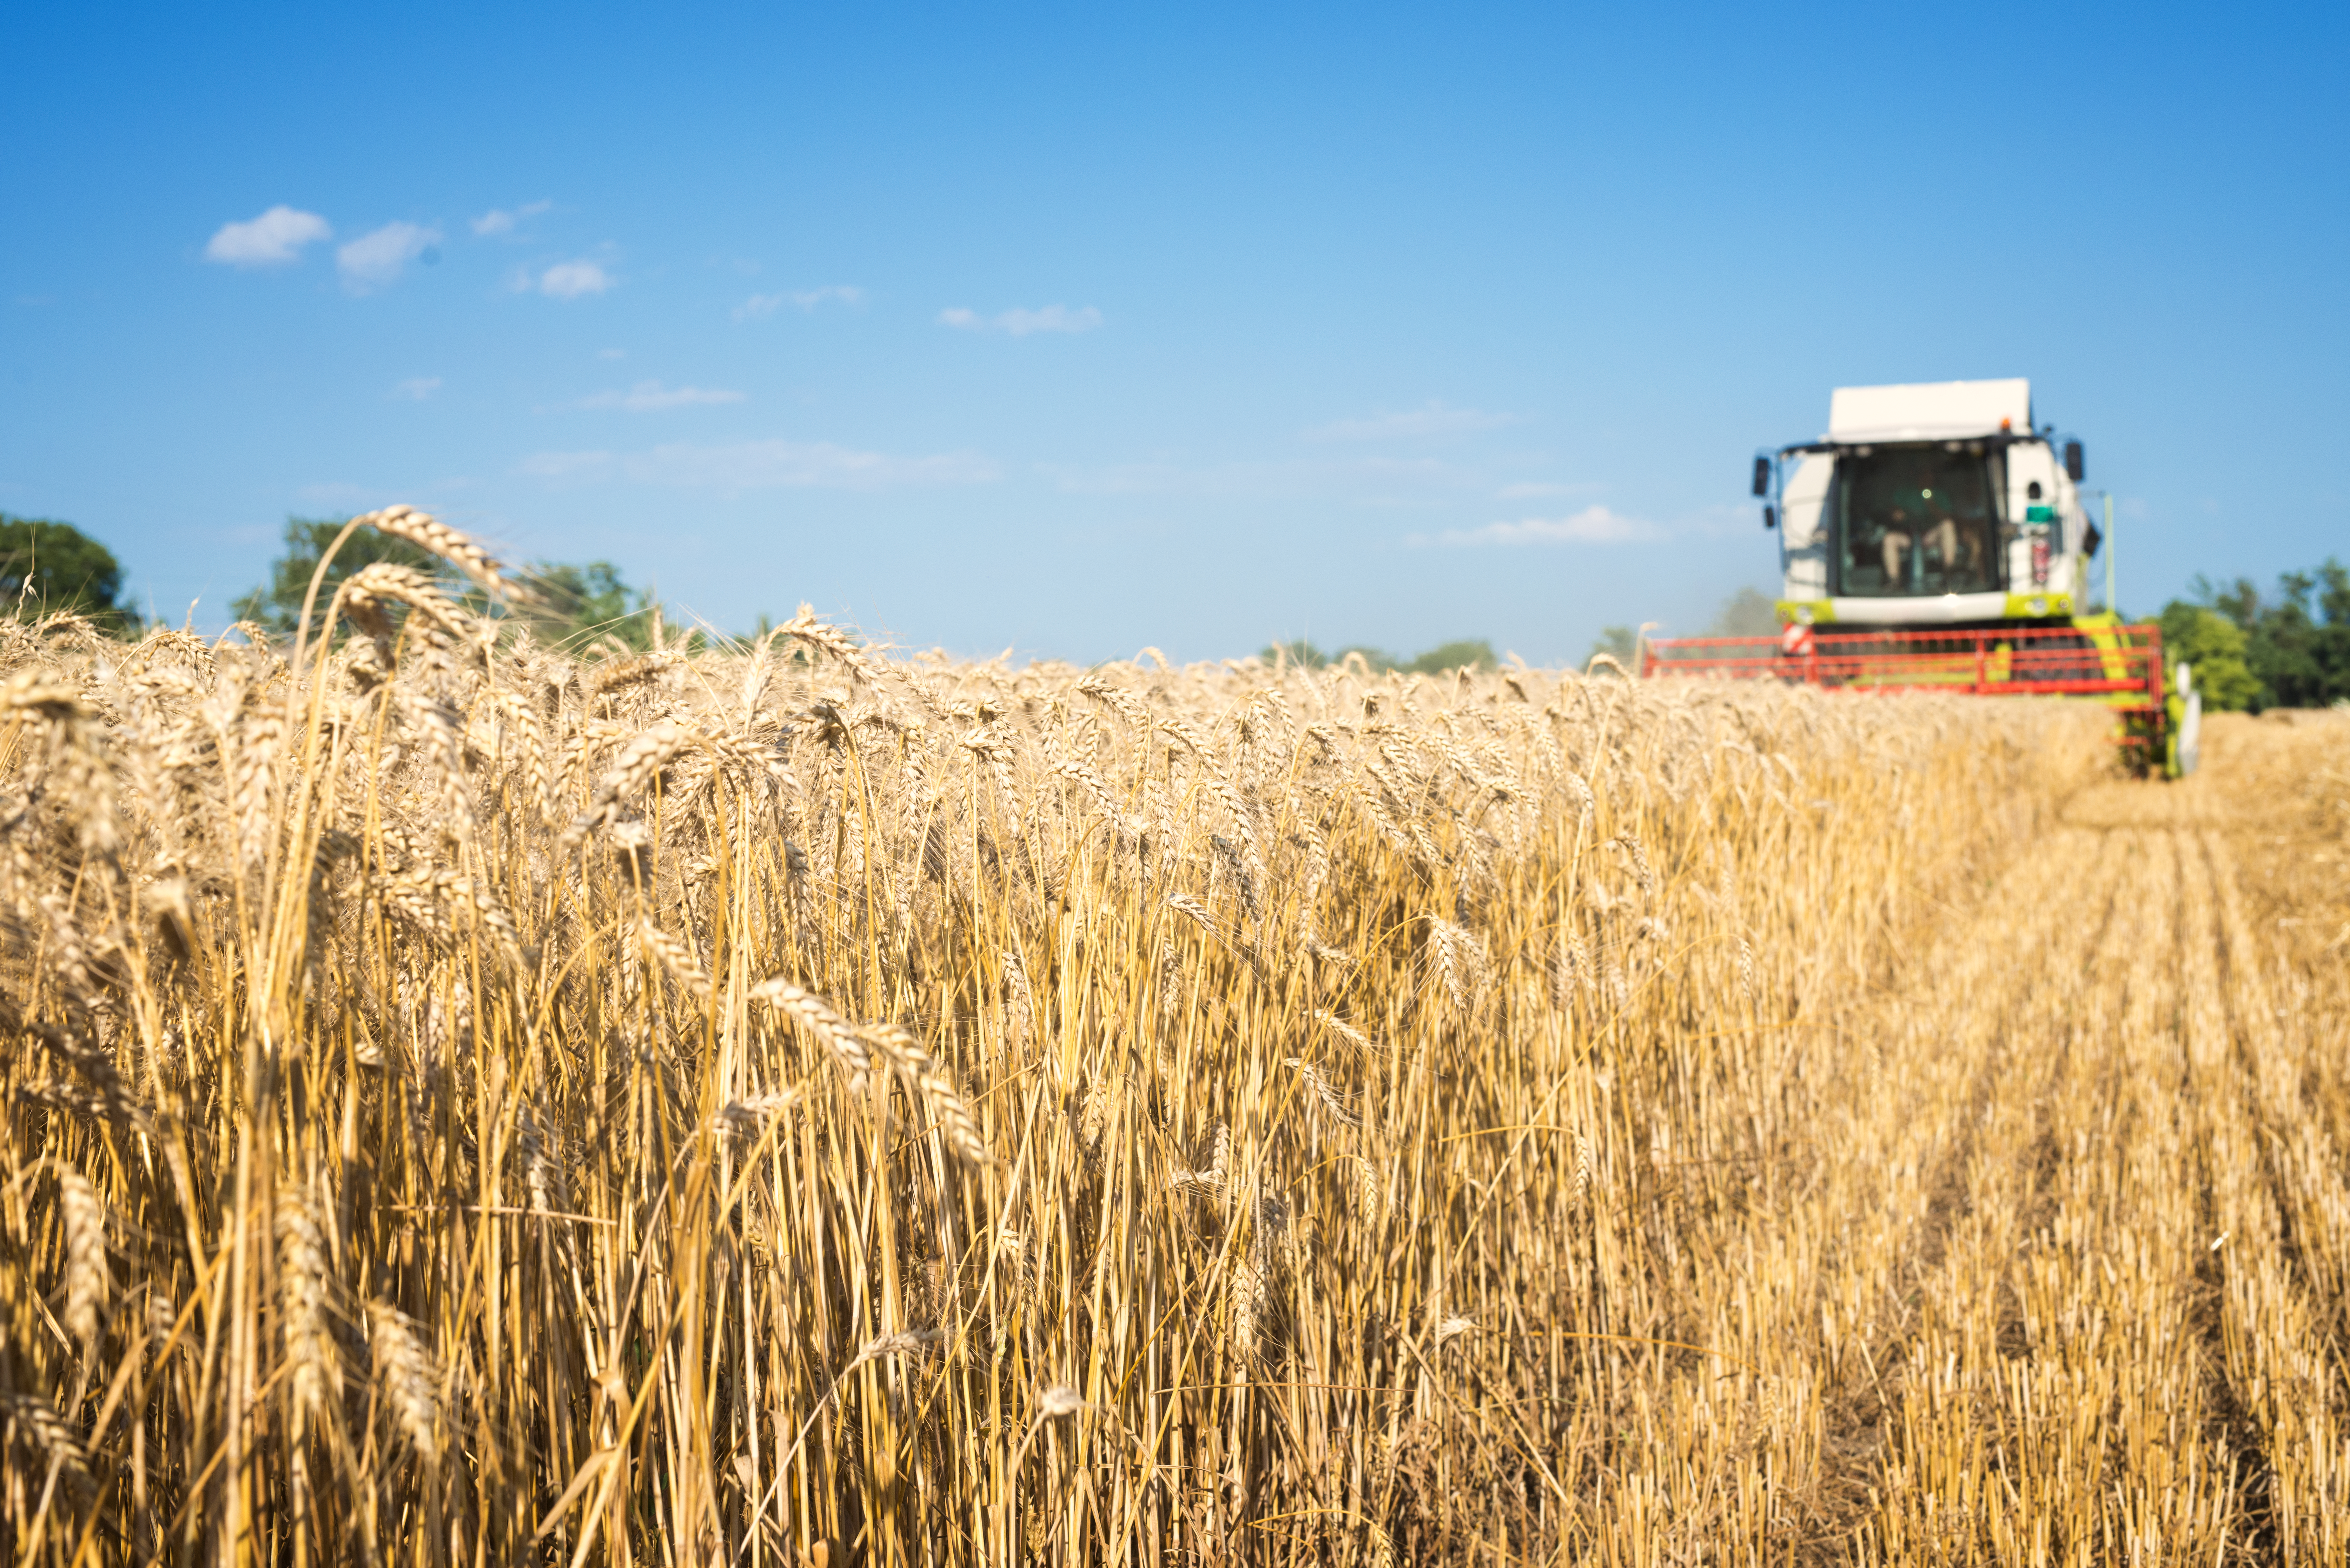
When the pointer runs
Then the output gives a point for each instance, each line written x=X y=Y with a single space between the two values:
x=790 y=1103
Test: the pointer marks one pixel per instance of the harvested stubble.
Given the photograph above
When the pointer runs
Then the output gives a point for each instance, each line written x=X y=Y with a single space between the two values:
x=788 y=1103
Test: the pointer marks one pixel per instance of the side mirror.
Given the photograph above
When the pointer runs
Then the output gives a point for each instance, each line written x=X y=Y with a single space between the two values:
x=2091 y=540
x=1769 y=517
x=2073 y=467
x=1761 y=476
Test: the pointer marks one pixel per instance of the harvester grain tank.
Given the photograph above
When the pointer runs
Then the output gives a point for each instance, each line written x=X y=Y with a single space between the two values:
x=1934 y=537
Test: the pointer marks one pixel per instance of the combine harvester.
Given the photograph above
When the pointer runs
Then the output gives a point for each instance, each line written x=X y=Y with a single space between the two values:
x=1934 y=540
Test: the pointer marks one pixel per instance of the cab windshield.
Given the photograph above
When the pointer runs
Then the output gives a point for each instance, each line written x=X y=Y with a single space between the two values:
x=1915 y=520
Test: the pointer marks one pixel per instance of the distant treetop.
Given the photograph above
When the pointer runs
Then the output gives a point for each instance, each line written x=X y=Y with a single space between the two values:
x=581 y=604
x=47 y=566
x=277 y=603
x=1475 y=652
x=1749 y=612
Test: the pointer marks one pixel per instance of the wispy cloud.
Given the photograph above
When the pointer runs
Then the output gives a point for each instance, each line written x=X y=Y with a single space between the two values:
x=504 y=221
x=569 y=280
x=1434 y=419
x=773 y=465
x=376 y=260
x=273 y=239
x=566 y=464
x=647 y=397
x=1592 y=526
x=1020 y=323
x=1721 y=520
x=1361 y=481
x=1535 y=490
x=760 y=305
x=416 y=388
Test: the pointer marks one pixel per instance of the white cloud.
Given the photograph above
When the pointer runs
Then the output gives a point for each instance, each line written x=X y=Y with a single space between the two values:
x=1592 y=526
x=760 y=305
x=272 y=238
x=1019 y=323
x=498 y=221
x=375 y=260
x=773 y=464
x=416 y=388
x=570 y=280
x=1435 y=419
x=1052 y=318
x=1368 y=481
x=647 y=396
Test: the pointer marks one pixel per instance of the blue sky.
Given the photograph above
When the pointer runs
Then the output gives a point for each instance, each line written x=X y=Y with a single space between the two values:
x=1074 y=330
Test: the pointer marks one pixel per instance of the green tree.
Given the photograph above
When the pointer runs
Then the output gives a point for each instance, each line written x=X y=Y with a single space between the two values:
x=47 y=565
x=2213 y=647
x=585 y=602
x=1618 y=642
x=1749 y=612
x=1296 y=650
x=1475 y=652
x=577 y=603
x=277 y=603
x=2297 y=643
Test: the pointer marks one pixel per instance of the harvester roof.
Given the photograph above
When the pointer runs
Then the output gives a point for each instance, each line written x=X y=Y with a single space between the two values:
x=1929 y=410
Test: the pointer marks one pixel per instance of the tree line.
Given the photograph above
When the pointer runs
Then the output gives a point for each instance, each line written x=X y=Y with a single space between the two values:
x=48 y=566
x=1477 y=653
x=2250 y=649
x=2253 y=651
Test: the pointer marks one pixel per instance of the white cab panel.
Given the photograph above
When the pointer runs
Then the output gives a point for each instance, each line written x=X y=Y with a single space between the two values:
x=2030 y=463
x=1938 y=610
x=1803 y=503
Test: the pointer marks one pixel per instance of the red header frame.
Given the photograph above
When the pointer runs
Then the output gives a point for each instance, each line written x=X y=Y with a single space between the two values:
x=2122 y=664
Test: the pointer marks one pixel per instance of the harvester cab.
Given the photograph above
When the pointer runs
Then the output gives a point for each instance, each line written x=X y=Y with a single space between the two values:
x=1937 y=504
x=1934 y=539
